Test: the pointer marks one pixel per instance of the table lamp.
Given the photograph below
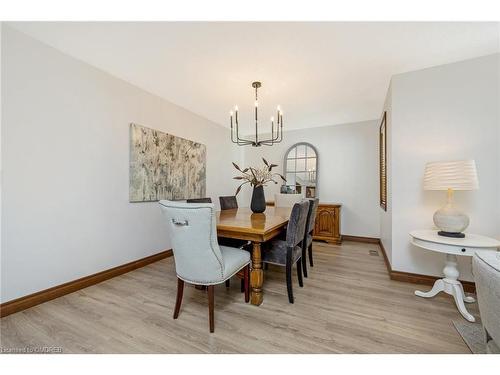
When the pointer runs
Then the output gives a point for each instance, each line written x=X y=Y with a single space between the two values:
x=450 y=176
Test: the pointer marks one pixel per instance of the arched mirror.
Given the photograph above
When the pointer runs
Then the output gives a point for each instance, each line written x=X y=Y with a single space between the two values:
x=301 y=170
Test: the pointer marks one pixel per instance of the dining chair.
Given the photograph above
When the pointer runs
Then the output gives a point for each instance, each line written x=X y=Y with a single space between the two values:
x=199 y=200
x=307 y=243
x=287 y=200
x=198 y=258
x=287 y=252
x=228 y=203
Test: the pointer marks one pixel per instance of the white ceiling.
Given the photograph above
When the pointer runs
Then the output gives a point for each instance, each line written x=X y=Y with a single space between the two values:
x=320 y=73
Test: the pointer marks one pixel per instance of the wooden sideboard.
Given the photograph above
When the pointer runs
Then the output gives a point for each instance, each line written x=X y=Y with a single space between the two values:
x=327 y=225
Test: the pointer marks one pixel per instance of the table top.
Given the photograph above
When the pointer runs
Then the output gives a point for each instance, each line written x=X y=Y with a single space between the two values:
x=242 y=223
x=472 y=240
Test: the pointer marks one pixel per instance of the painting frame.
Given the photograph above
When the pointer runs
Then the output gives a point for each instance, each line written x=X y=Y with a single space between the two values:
x=382 y=139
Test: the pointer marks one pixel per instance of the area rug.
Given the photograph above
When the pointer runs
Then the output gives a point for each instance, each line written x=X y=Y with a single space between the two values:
x=472 y=334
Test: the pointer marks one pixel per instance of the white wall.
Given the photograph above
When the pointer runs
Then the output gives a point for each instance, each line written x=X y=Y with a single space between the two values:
x=65 y=153
x=348 y=170
x=446 y=112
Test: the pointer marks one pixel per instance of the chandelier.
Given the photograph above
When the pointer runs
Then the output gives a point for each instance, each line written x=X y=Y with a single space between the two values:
x=276 y=136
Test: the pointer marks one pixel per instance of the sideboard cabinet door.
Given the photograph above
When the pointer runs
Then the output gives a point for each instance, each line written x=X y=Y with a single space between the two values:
x=327 y=225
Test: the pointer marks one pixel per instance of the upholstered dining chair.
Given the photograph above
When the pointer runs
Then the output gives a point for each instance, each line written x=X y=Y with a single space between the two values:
x=222 y=241
x=199 y=200
x=198 y=258
x=311 y=219
x=228 y=202
x=486 y=270
x=288 y=252
x=287 y=200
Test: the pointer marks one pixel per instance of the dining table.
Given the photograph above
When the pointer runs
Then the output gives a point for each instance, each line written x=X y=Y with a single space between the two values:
x=241 y=223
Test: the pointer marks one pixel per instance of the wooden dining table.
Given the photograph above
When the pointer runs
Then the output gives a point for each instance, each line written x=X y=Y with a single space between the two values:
x=242 y=223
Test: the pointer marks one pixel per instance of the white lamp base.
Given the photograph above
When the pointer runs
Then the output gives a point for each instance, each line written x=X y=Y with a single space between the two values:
x=451 y=221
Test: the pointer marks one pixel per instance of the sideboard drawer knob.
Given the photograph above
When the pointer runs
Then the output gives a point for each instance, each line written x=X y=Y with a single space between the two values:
x=463 y=250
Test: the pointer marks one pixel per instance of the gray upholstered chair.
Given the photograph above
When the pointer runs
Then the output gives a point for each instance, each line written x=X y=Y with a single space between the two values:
x=311 y=219
x=287 y=200
x=486 y=269
x=199 y=259
x=199 y=200
x=228 y=203
x=288 y=252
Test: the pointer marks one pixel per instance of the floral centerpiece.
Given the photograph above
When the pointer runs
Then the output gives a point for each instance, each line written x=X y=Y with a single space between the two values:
x=257 y=178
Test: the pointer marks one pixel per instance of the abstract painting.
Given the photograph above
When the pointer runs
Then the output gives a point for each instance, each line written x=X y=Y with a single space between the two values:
x=163 y=166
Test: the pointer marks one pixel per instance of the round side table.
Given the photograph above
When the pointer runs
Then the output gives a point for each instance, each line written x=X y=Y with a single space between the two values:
x=430 y=240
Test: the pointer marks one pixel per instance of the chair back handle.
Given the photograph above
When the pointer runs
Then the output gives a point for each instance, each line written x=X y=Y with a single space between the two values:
x=180 y=223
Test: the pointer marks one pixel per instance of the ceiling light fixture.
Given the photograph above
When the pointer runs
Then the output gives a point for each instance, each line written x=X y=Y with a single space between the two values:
x=276 y=137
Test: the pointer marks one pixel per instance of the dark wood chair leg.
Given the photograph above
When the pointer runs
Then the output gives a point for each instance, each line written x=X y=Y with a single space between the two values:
x=311 y=255
x=246 y=280
x=289 y=287
x=228 y=283
x=304 y=261
x=211 y=307
x=242 y=286
x=178 y=300
x=299 y=273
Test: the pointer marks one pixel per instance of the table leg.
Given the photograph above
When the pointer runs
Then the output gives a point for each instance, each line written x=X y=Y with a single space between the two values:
x=256 y=275
x=451 y=286
x=457 y=293
x=437 y=287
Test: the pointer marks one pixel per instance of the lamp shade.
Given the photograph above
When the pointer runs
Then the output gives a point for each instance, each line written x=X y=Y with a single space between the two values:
x=456 y=175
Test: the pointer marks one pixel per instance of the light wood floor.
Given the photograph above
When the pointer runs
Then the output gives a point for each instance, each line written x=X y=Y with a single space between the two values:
x=347 y=305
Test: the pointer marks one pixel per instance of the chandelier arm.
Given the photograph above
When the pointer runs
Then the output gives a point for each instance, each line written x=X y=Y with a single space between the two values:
x=268 y=142
x=272 y=132
x=232 y=133
x=273 y=139
x=241 y=141
x=245 y=142
x=277 y=134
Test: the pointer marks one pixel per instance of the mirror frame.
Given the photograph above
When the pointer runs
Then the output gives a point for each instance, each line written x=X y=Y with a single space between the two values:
x=317 y=162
